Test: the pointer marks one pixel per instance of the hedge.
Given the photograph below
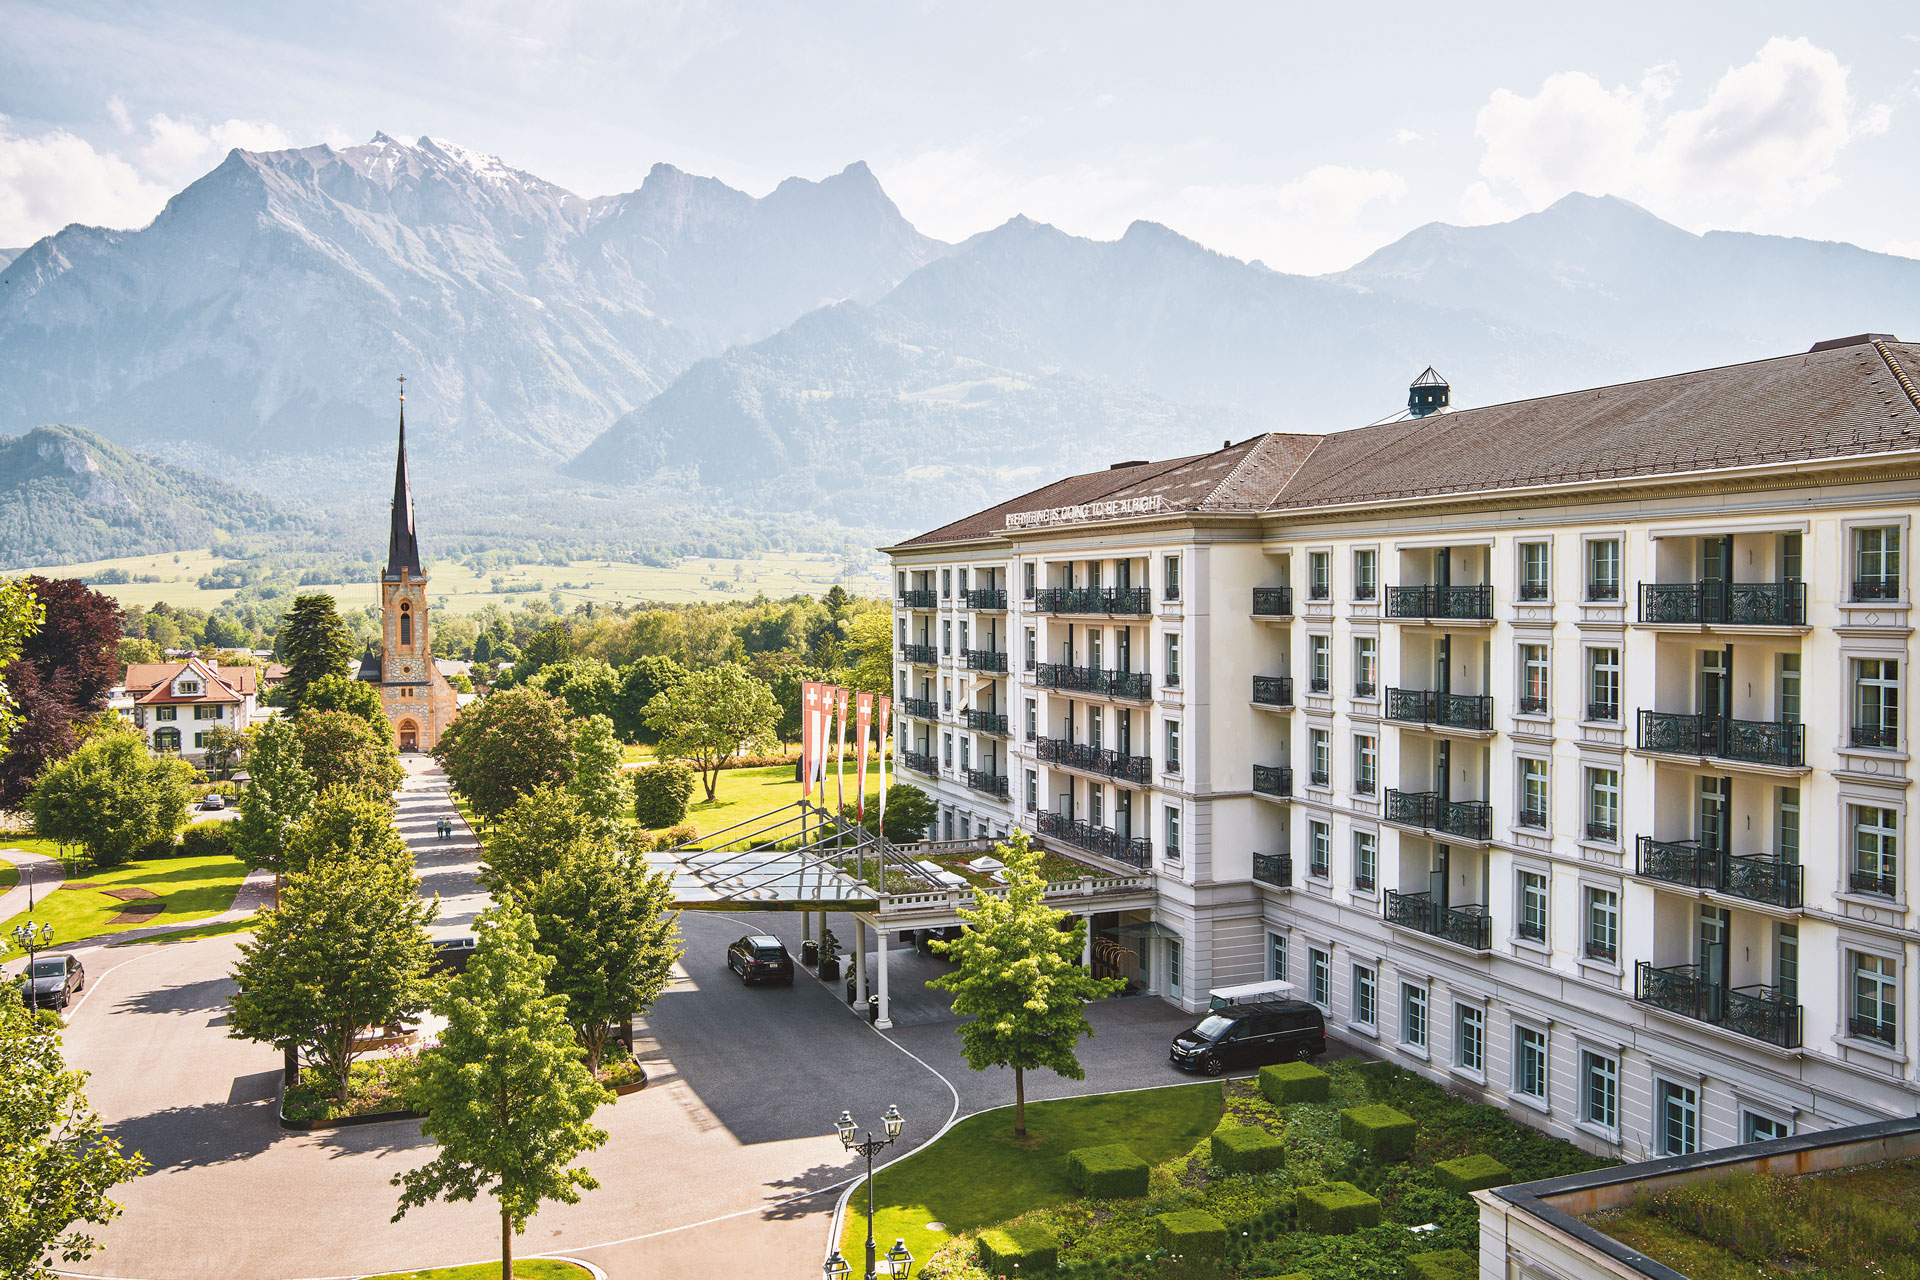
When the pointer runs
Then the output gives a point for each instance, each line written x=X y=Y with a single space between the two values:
x=1194 y=1233
x=1442 y=1264
x=207 y=840
x=1240 y=1148
x=1336 y=1209
x=1294 y=1082
x=1030 y=1248
x=1386 y=1135
x=1112 y=1172
x=660 y=794
x=1471 y=1173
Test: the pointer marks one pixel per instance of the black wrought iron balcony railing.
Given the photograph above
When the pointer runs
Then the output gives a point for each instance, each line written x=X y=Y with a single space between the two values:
x=1319 y=684
x=1533 y=704
x=1273 y=602
x=1112 y=684
x=986 y=660
x=1757 y=877
x=1103 y=600
x=1472 y=711
x=919 y=708
x=1273 y=691
x=1753 y=741
x=1597 y=950
x=1365 y=591
x=1533 y=591
x=1468 y=926
x=1876 y=737
x=993 y=784
x=1319 y=778
x=1885 y=1030
x=1467 y=604
x=1884 y=884
x=1603 y=592
x=919 y=762
x=988 y=599
x=923 y=654
x=1604 y=712
x=1274 y=869
x=1532 y=818
x=1715 y=602
x=1762 y=1013
x=1876 y=587
x=1272 y=780
x=1532 y=930
x=1364 y=688
x=918 y=599
x=986 y=722
x=1100 y=760
x=1320 y=592
x=1605 y=832
x=1463 y=819
x=1135 y=851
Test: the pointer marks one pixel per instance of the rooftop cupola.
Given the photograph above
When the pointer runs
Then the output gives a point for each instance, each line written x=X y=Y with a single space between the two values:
x=1428 y=394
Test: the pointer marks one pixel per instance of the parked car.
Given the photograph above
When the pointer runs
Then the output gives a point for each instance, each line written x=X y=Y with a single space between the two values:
x=1251 y=1035
x=214 y=801
x=51 y=981
x=450 y=955
x=760 y=957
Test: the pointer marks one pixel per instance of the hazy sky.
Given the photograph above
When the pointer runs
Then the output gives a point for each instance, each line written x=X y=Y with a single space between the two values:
x=1302 y=135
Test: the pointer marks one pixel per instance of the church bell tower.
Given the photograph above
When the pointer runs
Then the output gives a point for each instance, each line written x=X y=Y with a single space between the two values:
x=418 y=700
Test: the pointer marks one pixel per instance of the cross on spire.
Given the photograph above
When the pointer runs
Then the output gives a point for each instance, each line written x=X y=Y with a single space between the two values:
x=403 y=543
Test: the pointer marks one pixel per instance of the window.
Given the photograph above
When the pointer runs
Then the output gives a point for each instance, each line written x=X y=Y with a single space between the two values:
x=1033 y=649
x=1321 y=755
x=1413 y=1015
x=1320 y=663
x=1033 y=790
x=1787 y=689
x=966 y=753
x=1319 y=848
x=1276 y=957
x=1599 y=1090
x=1366 y=996
x=1530 y=1062
x=1319 y=575
x=903 y=632
x=1028 y=585
x=946 y=694
x=1603 y=924
x=1033 y=719
x=1603 y=684
x=1173 y=659
x=1603 y=569
x=949 y=824
x=406 y=626
x=946 y=582
x=1173 y=577
x=1173 y=746
x=1533 y=906
x=963 y=582
x=1366 y=666
x=1533 y=679
x=1173 y=968
x=1876 y=851
x=1876 y=563
x=1366 y=764
x=1755 y=1127
x=166 y=713
x=946 y=742
x=1786 y=824
x=1603 y=805
x=1786 y=961
x=1678 y=1119
x=1534 y=571
x=1173 y=833
x=166 y=739
x=1366 y=573
x=946 y=636
x=206 y=713
x=1469 y=1039
x=966 y=641
x=186 y=688
x=900 y=582
x=1876 y=702
x=1533 y=793
x=1876 y=998
x=199 y=740
x=1366 y=859
x=1319 y=977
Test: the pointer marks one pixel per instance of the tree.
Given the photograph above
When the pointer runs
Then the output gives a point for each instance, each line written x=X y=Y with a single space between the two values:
x=20 y=613
x=113 y=797
x=660 y=794
x=505 y=1093
x=640 y=682
x=278 y=794
x=314 y=643
x=56 y=1161
x=543 y=828
x=65 y=667
x=789 y=688
x=712 y=716
x=1019 y=980
x=870 y=650
x=596 y=772
x=588 y=686
x=503 y=747
x=337 y=692
x=347 y=950
x=461 y=682
x=343 y=825
x=342 y=750
x=910 y=811
x=225 y=746
x=610 y=929
x=138 y=649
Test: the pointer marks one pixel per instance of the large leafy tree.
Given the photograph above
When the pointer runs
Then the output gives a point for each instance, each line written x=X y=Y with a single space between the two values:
x=112 y=797
x=341 y=749
x=314 y=643
x=346 y=950
x=56 y=1162
x=503 y=747
x=505 y=1092
x=596 y=781
x=60 y=679
x=276 y=798
x=869 y=650
x=1019 y=982
x=343 y=825
x=20 y=613
x=337 y=692
x=713 y=716
x=226 y=746
x=542 y=829
x=589 y=686
x=640 y=681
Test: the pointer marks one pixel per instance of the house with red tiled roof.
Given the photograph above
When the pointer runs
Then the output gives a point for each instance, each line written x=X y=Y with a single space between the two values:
x=176 y=704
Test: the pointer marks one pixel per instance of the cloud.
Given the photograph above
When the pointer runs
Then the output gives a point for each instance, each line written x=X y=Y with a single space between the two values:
x=179 y=151
x=1405 y=136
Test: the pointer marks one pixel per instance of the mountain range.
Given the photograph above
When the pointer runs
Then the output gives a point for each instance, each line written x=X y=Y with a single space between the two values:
x=809 y=352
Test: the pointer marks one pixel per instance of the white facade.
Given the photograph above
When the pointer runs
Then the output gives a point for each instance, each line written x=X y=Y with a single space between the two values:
x=189 y=700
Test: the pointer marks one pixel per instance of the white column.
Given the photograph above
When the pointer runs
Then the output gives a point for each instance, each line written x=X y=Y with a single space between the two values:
x=806 y=925
x=885 y=1020
x=860 y=966
x=1086 y=946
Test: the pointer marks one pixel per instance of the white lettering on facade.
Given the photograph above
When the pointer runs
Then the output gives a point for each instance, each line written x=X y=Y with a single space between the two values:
x=1109 y=510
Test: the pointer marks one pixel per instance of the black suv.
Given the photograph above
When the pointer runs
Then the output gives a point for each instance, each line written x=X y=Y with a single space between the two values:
x=1250 y=1035
x=760 y=957
x=52 y=981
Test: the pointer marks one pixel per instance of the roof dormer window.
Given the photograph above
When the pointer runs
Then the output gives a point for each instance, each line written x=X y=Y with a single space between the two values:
x=186 y=688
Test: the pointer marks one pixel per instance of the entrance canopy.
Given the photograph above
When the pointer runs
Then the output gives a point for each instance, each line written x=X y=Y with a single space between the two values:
x=799 y=857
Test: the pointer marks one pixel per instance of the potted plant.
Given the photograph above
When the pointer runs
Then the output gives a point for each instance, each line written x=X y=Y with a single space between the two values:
x=829 y=956
x=809 y=953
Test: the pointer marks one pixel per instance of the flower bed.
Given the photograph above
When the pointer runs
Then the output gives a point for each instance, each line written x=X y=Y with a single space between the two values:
x=376 y=1086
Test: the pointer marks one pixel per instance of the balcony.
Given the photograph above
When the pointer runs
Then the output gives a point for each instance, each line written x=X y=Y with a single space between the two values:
x=1108 y=764
x=1751 y=741
x=1755 y=877
x=1273 y=691
x=1882 y=1029
x=986 y=660
x=1715 y=603
x=1133 y=851
x=1759 y=1012
x=919 y=600
x=1101 y=600
x=922 y=654
x=1275 y=869
x=1441 y=604
x=1868 y=589
x=986 y=599
x=1137 y=685
x=1273 y=602
x=1883 y=884
x=1460 y=819
x=1469 y=927
x=919 y=708
x=1604 y=712
x=1533 y=591
x=1875 y=737
x=1603 y=592
x=992 y=784
x=1604 y=832
x=919 y=762
x=1273 y=780
x=1471 y=711
x=986 y=722
x=1365 y=689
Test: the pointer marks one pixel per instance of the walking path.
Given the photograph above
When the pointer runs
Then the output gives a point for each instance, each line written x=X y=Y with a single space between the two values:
x=47 y=875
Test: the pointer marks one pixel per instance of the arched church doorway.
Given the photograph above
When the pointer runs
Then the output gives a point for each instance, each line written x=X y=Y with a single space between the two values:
x=409 y=736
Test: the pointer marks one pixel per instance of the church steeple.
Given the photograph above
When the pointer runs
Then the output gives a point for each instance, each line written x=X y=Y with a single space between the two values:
x=403 y=544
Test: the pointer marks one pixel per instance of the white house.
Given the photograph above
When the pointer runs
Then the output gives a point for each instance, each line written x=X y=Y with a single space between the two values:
x=176 y=703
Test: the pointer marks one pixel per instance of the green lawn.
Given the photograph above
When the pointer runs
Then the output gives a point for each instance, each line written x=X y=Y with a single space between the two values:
x=220 y=928
x=9 y=876
x=748 y=793
x=979 y=1174
x=526 y=1269
x=192 y=888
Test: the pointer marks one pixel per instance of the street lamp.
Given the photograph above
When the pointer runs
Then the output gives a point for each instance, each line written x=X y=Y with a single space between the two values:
x=836 y=1267
x=850 y=1138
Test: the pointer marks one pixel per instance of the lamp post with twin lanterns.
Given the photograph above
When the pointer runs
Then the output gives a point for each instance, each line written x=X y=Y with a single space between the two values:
x=898 y=1262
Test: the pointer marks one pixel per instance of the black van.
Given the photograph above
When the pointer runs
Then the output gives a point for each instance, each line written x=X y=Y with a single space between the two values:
x=1251 y=1035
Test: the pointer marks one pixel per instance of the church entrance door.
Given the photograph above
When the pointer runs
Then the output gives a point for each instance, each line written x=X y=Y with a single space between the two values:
x=409 y=736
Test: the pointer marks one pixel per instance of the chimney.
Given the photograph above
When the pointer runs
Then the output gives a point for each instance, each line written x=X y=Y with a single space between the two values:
x=1428 y=394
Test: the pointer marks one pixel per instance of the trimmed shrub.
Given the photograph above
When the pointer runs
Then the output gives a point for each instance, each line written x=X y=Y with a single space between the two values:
x=1294 y=1082
x=660 y=794
x=1030 y=1248
x=206 y=840
x=1240 y=1148
x=1471 y=1173
x=1112 y=1172
x=1193 y=1233
x=1384 y=1134
x=1291 y=1275
x=1336 y=1209
x=1442 y=1264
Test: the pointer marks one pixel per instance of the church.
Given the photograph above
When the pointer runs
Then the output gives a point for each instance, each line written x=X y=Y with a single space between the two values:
x=418 y=700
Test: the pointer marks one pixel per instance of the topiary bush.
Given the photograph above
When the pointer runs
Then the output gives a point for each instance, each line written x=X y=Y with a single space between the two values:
x=1192 y=1233
x=1386 y=1135
x=1240 y=1148
x=1112 y=1172
x=206 y=840
x=1335 y=1209
x=1442 y=1264
x=661 y=793
x=1294 y=1082
x=1029 y=1248
x=1471 y=1173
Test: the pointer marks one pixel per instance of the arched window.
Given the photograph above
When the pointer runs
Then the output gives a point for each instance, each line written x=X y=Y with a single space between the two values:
x=406 y=625
x=166 y=739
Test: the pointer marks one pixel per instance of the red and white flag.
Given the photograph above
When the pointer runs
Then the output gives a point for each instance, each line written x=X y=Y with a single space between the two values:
x=809 y=712
x=885 y=713
x=840 y=761
x=863 y=722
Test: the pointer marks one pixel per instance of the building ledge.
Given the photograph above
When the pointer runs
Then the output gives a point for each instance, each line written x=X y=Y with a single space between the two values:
x=1718 y=763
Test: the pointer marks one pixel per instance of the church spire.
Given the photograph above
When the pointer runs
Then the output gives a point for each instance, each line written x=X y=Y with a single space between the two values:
x=403 y=545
